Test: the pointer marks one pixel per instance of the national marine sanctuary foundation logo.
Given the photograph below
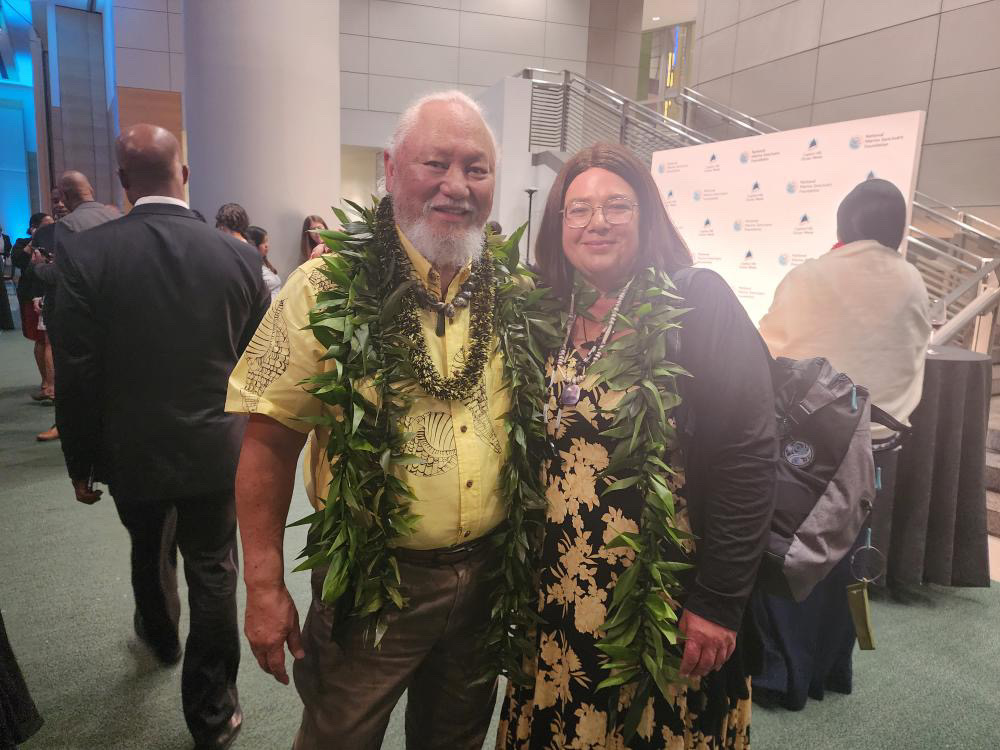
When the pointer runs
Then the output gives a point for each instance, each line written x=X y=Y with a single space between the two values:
x=745 y=157
x=791 y=187
x=854 y=143
x=696 y=195
x=737 y=226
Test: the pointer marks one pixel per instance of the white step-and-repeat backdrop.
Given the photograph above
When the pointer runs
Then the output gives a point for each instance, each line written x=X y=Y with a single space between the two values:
x=753 y=208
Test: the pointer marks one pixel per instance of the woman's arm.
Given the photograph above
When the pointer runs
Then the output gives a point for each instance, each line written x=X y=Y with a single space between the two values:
x=732 y=451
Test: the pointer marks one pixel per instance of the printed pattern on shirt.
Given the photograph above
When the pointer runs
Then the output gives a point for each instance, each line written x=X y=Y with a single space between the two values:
x=267 y=356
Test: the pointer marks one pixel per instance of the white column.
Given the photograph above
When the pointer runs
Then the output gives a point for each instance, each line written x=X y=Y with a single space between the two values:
x=262 y=112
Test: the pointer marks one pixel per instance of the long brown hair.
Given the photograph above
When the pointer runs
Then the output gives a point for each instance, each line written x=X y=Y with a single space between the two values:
x=660 y=244
x=306 y=243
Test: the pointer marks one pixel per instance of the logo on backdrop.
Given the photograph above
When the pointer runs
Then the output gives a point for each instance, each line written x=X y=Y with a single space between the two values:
x=706 y=229
x=749 y=263
x=737 y=225
x=854 y=143
x=748 y=255
x=783 y=260
x=697 y=195
x=871 y=176
x=813 y=151
x=712 y=158
x=756 y=192
x=660 y=168
x=790 y=188
x=744 y=157
x=804 y=226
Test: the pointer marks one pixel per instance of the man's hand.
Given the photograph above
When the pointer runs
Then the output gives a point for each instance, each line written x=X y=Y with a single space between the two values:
x=708 y=645
x=37 y=257
x=271 y=622
x=85 y=492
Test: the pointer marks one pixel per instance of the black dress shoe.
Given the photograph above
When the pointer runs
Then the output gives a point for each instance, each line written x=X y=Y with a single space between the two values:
x=166 y=655
x=225 y=737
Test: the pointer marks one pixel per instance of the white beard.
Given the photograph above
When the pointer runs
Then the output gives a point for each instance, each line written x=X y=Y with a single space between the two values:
x=452 y=250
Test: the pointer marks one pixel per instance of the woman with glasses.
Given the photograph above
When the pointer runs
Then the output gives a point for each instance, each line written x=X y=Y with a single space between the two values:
x=311 y=245
x=651 y=542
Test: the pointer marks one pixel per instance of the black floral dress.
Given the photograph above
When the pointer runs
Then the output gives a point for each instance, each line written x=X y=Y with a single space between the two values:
x=578 y=573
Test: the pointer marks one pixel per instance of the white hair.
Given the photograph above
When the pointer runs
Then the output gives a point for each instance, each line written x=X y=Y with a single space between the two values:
x=408 y=120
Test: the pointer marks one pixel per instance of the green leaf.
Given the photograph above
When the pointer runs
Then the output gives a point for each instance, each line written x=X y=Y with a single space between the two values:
x=622 y=484
x=620 y=678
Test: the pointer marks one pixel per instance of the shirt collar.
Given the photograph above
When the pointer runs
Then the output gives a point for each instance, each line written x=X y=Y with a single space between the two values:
x=425 y=272
x=161 y=199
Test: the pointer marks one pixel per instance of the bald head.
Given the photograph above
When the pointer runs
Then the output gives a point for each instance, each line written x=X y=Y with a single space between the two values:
x=149 y=162
x=75 y=188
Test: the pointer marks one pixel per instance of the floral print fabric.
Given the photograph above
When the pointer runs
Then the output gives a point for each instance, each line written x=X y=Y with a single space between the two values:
x=577 y=576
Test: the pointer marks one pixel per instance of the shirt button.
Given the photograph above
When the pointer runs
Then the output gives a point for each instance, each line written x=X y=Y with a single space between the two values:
x=469 y=483
x=464 y=428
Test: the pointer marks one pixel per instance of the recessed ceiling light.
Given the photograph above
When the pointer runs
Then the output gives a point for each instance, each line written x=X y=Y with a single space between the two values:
x=656 y=18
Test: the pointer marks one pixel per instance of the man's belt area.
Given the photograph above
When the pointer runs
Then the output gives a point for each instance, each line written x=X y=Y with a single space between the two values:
x=447 y=555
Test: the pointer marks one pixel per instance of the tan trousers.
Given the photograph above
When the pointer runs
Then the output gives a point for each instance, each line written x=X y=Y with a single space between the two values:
x=431 y=648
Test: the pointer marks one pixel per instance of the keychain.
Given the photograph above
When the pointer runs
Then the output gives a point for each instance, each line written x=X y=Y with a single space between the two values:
x=867 y=565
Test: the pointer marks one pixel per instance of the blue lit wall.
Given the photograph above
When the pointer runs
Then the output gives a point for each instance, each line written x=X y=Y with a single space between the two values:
x=18 y=138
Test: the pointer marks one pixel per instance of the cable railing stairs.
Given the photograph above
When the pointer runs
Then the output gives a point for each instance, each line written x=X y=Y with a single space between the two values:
x=957 y=253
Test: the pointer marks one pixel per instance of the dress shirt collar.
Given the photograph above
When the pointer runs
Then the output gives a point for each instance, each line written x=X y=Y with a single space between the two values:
x=161 y=199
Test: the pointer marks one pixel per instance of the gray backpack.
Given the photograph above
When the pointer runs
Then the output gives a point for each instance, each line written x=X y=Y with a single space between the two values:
x=825 y=483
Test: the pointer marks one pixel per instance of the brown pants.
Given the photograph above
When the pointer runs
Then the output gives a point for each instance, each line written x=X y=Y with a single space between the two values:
x=432 y=647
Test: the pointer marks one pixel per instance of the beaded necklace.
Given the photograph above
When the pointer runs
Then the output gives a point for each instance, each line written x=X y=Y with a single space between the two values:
x=570 y=395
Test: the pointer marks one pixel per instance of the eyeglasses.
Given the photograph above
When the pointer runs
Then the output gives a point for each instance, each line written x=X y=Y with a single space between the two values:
x=616 y=211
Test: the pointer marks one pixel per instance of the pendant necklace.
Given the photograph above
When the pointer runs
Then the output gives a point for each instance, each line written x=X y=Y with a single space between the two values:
x=445 y=309
x=570 y=394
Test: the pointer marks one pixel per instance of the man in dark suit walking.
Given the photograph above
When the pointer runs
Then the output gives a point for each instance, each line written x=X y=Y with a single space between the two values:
x=154 y=311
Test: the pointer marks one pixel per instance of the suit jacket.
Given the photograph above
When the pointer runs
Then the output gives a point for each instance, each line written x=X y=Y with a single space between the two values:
x=52 y=237
x=154 y=311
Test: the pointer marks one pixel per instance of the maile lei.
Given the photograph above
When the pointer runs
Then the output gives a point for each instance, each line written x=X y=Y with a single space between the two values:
x=368 y=320
x=640 y=636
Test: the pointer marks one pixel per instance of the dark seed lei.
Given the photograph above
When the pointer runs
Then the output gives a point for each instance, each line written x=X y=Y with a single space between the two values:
x=482 y=299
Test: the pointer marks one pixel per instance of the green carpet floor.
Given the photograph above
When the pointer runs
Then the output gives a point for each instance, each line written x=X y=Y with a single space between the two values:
x=934 y=682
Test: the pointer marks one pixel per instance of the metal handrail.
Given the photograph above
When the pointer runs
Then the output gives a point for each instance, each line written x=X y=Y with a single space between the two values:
x=979 y=306
x=971 y=266
x=960 y=224
x=960 y=212
x=733 y=116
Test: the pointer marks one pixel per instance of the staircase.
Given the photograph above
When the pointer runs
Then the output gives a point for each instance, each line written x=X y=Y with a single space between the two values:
x=957 y=254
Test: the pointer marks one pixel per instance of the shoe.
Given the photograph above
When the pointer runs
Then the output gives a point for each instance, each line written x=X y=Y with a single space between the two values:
x=167 y=656
x=39 y=396
x=226 y=736
x=50 y=434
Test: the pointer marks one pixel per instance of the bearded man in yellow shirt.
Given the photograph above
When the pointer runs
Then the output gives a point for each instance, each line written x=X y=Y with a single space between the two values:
x=440 y=174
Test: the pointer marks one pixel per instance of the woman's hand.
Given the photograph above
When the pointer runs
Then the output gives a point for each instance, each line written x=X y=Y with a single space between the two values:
x=708 y=646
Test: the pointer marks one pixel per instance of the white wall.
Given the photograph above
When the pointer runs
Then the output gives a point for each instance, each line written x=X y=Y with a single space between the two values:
x=394 y=52
x=149 y=44
x=358 y=173
x=806 y=62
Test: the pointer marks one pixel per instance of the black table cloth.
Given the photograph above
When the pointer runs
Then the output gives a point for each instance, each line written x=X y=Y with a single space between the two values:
x=939 y=530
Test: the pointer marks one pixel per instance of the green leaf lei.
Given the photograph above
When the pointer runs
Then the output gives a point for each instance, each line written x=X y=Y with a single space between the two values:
x=368 y=321
x=640 y=636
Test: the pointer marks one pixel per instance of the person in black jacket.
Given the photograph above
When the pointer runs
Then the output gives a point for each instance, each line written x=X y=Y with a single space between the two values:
x=155 y=309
